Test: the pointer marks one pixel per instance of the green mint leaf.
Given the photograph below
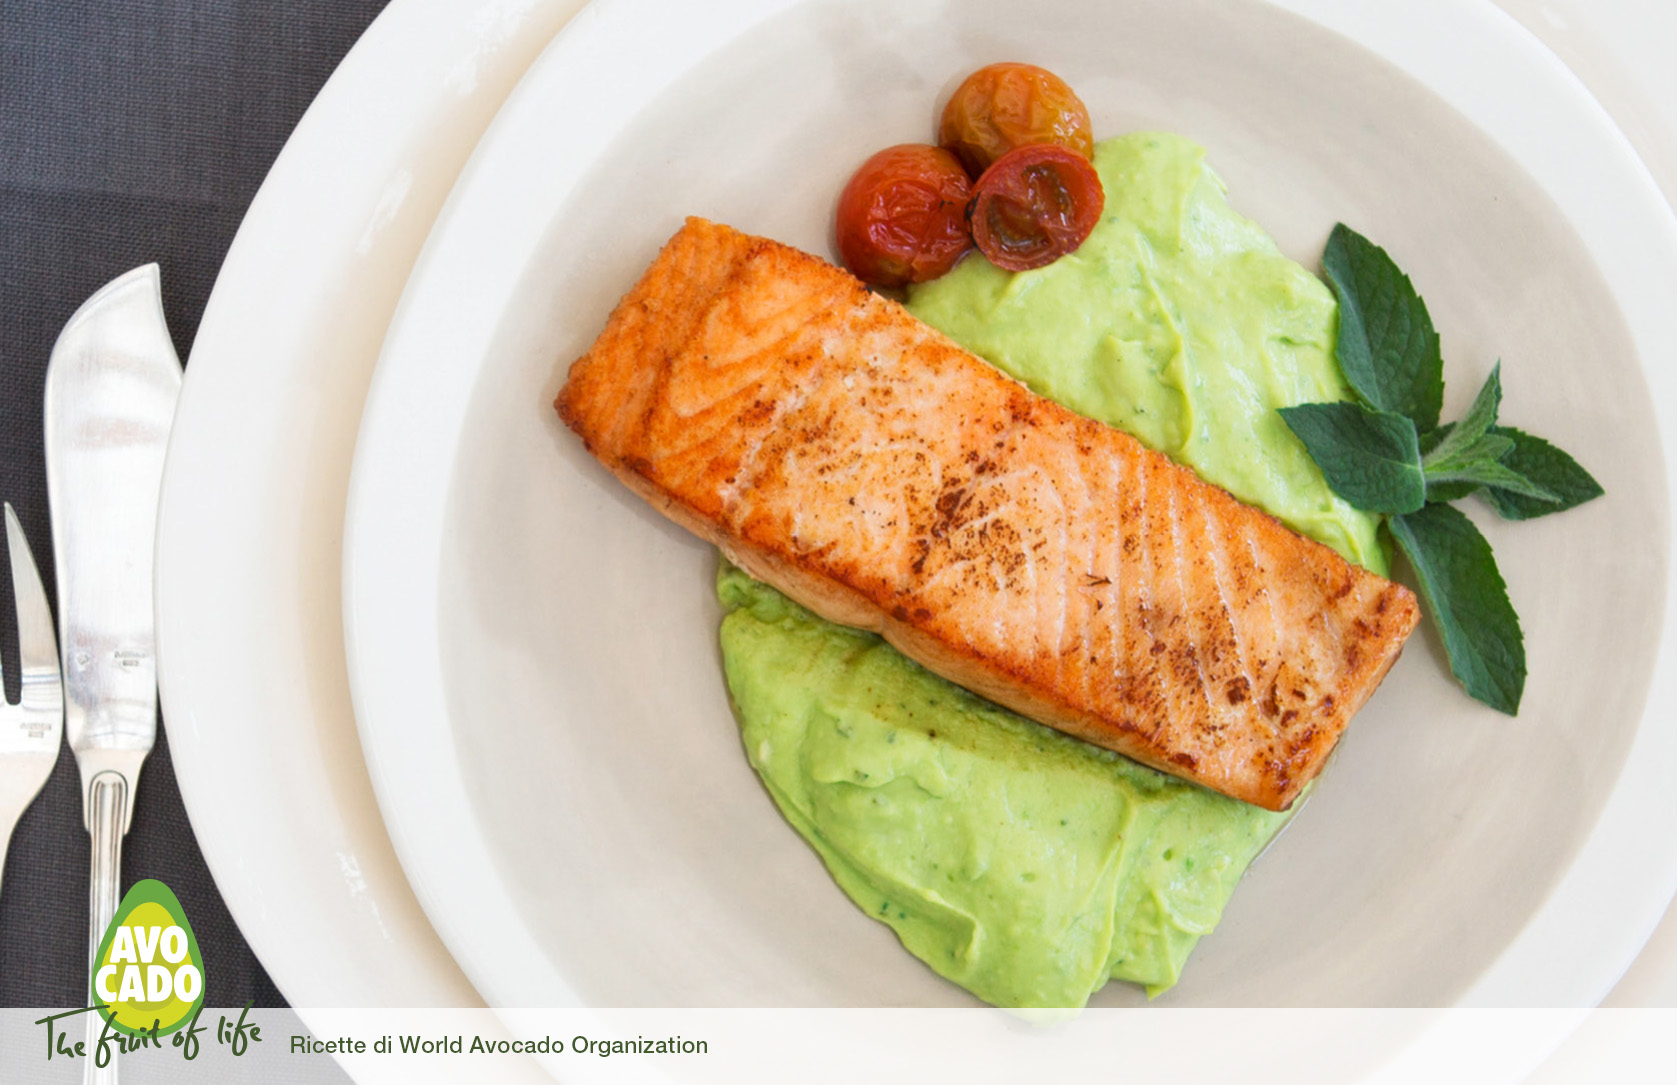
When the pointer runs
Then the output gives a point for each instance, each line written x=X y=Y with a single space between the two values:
x=1465 y=439
x=1548 y=467
x=1488 y=449
x=1387 y=346
x=1369 y=458
x=1487 y=472
x=1538 y=462
x=1431 y=438
x=1440 y=492
x=1493 y=447
x=1465 y=595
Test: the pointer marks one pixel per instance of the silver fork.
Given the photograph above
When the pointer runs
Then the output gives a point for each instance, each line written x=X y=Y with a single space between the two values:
x=30 y=730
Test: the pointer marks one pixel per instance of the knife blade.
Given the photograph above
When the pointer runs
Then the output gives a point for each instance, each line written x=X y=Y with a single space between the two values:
x=111 y=388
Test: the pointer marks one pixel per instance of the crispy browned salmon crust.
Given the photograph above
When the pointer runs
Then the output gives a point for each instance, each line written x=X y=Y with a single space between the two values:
x=836 y=447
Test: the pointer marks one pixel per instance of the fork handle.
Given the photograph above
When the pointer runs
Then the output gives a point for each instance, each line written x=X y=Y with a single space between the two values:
x=107 y=808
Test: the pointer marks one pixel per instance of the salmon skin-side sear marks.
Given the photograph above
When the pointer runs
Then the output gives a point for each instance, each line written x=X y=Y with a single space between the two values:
x=836 y=447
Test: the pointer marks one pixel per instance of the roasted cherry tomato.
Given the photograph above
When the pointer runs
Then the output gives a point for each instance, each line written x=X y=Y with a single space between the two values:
x=1035 y=204
x=1003 y=106
x=903 y=216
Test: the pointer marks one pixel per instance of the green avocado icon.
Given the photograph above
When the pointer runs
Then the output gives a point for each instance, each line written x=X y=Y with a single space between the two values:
x=148 y=976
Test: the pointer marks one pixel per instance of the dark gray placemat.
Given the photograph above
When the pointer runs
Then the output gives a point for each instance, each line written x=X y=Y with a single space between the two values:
x=130 y=131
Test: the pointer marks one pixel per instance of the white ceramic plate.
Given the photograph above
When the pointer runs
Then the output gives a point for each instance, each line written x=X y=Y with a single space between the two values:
x=532 y=650
x=249 y=642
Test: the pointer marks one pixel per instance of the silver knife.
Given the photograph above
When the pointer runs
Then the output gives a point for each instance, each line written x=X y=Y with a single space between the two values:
x=110 y=401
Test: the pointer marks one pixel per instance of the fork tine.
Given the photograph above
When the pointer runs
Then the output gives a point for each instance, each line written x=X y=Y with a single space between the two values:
x=37 y=646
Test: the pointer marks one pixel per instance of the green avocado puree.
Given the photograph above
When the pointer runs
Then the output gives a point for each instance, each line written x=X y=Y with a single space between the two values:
x=1021 y=863
x=1024 y=865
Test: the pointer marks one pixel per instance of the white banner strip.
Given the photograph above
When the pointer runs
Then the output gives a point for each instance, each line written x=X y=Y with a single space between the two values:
x=813 y=1047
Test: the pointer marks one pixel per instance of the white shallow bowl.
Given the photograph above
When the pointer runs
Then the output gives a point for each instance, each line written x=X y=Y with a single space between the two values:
x=250 y=658
x=532 y=650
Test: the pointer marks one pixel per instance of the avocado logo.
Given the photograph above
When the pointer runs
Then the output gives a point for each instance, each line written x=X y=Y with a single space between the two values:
x=147 y=976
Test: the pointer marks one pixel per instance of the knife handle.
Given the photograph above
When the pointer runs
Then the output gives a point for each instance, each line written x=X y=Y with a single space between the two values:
x=107 y=809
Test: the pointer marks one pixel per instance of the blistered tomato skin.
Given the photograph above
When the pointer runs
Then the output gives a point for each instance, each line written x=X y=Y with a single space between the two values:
x=1003 y=106
x=902 y=217
x=1035 y=204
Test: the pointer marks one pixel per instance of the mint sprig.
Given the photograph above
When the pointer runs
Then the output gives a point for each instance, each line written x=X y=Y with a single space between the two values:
x=1389 y=454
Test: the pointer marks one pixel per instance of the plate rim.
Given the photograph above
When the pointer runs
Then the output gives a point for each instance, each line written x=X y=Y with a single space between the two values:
x=416 y=60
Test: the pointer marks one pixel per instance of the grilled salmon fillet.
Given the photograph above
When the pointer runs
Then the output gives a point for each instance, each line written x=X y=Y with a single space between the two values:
x=836 y=447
